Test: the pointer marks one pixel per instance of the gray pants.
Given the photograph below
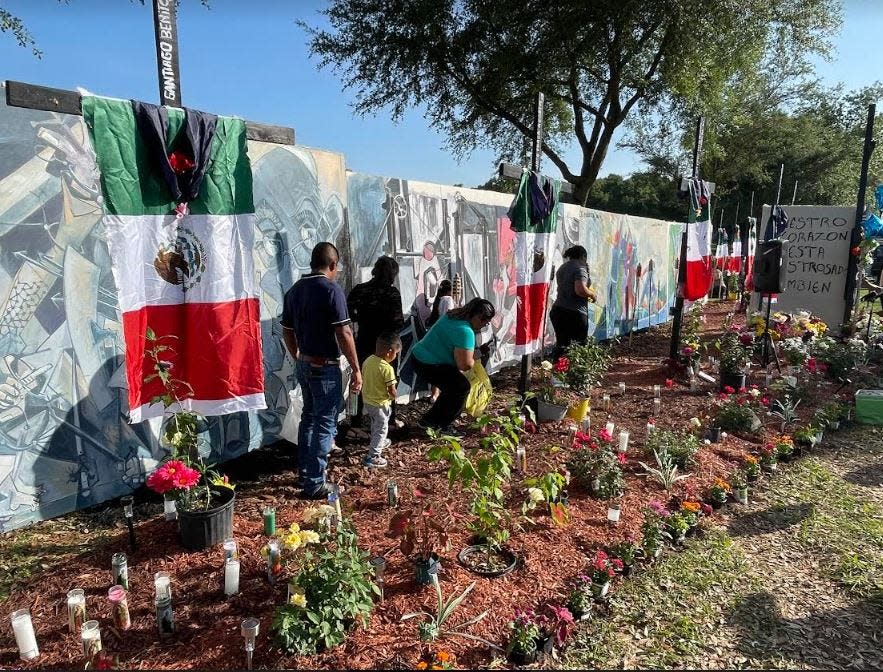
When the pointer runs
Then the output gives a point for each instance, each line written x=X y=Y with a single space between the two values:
x=379 y=427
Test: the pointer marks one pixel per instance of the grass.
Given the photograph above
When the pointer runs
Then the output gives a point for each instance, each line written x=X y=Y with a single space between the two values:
x=661 y=617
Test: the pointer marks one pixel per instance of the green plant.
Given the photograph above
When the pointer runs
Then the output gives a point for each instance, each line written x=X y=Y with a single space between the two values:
x=525 y=631
x=586 y=365
x=551 y=389
x=794 y=351
x=543 y=489
x=840 y=359
x=626 y=550
x=751 y=467
x=805 y=435
x=484 y=471
x=679 y=523
x=337 y=591
x=422 y=528
x=596 y=467
x=680 y=446
x=739 y=479
x=733 y=354
x=653 y=528
x=737 y=413
x=580 y=598
x=786 y=410
x=434 y=625
x=665 y=472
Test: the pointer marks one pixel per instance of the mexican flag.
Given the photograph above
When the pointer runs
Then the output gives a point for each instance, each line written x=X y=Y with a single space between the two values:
x=722 y=251
x=184 y=281
x=533 y=216
x=699 y=272
x=749 y=259
x=734 y=261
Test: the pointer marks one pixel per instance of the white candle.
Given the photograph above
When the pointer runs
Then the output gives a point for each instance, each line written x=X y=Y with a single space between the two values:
x=25 y=637
x=162 y=584
x=623 y=441
x=657 y=391
x=613 y=514
x=231 y=576
x=650 y=428
x=622 y=389
x=606 y=401
x=91 y=637
x=587 y=424
x=657 y=405
x=230 y=550
x=610 y=427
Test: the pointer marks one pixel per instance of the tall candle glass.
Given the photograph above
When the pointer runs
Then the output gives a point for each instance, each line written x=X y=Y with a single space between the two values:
x=91 y=636
x=119 y=607
x=76 y=610
x=25 y=637
x=231 y=576
x=162 y=585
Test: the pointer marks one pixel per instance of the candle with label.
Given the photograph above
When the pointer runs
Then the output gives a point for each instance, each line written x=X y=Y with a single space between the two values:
x=231 y=551
x=119 y=607
x=613 y=512
x=651 y=427
x=91 y=636
x=76 y=610
x=623 y=440
x=610 y=427
x=521 y=459
x=605 y=401
x=162 y=585
x=392 y=494
x=25 y=637
x=334 y=500
x=120 y=568
x=169 y=508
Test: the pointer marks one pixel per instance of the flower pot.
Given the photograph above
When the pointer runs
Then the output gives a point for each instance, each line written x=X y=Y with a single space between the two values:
x=549 y=412
x=681 y=538
x=734 y=380
x=600 y=590
x=741 y=495
x=202 y=529
x=834 y=424
x=522 y=658
x=426 y=569
x=769 y=466
x=716 y=503
x=471 y=558
x=714 y=434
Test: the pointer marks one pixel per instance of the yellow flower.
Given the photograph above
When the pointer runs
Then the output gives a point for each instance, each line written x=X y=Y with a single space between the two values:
x=292 y=541
x=298 y=600
x=309 y=537
x=265 y=552
x=422 y=665
x=294 y=527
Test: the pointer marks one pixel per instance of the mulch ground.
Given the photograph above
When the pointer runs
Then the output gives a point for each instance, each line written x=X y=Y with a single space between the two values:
x=208 y=623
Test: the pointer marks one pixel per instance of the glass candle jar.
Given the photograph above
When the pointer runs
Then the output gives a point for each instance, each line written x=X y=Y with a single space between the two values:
x=623 y=440
x=610 y=427
x=231 y=576
x=165 y=618
x=76 y=610
x=170 y=510
x=657 y=406
x=231 y=551
x=119 y=607
x=274 y=560
x=25 y=637
x=269 y=521
x=605 y=402
x=120 y=568
x=162 y=585
x=91 y=636
x=613 y=512
x=657 y=391
x=621 y=387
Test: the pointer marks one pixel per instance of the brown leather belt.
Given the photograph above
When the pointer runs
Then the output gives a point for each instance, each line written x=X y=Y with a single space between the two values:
x=319 y=361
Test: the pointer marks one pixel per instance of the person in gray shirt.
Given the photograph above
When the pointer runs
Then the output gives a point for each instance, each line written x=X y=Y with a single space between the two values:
x=570 y=312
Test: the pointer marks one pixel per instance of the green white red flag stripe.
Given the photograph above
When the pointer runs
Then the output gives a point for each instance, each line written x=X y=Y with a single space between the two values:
x=191 y=278
x=699 y=271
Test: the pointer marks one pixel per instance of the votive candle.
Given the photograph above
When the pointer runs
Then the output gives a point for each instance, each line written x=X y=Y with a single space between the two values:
x=623 y=440
x=621 y=387
x=657 y=391
x=91 y=636
x=610 y=427
x=657 y=406
x=230 y=549
x=521 y=459
x=25 y=637
x=650 y=429
x=613 y=512
x=119 y=606
x=162 y=584
x=76 y=610
x=269 y=521
x=231 y=576
x=605 y=400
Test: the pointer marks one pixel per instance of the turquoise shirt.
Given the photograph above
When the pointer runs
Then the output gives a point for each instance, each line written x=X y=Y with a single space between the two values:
x=437 y=347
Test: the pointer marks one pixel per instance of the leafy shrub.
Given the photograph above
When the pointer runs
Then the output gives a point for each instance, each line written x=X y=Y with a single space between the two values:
x=665 y=472
x=840 y=358
x=680 y=446
x=733 y=354
x=337 y=586
x=596 y=467
x=738 y=413
x=587 y=364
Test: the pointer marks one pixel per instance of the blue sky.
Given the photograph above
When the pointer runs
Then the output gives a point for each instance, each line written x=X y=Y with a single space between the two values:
x=250 y=59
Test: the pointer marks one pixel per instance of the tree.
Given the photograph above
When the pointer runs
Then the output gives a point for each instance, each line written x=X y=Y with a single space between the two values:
x=476 y=66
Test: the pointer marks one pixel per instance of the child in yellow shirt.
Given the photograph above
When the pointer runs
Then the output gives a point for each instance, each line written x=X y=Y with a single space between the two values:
x=378 y=392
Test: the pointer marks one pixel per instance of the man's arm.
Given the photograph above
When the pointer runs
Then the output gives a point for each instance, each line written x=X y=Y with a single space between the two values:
x=290 y=339
x=344 y=335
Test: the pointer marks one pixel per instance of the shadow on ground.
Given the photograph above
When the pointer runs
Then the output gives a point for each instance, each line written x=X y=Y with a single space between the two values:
x=835 y=639
x=869 y=476
x=769 y=520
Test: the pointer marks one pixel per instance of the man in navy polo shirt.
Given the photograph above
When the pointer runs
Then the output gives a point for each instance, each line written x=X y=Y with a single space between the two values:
x=316 y=329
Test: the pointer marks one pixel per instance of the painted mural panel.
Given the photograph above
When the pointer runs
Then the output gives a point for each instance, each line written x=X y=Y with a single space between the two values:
x=65 y=442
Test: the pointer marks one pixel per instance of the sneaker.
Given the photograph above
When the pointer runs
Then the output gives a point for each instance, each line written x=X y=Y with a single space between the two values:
x=321 y=493
x=375 y=462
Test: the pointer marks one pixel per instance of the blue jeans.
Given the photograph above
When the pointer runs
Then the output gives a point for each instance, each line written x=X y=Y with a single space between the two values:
x=322 y=389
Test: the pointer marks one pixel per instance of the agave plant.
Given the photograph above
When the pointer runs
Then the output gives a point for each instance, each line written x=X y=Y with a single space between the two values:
x=785 y=410
x=665 y=472
x=434 y=625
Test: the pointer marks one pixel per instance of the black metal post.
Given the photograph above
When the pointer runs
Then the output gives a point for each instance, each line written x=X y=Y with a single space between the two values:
x=852 y=268
x=165 y=26
x=678 y=310
x=535 y=155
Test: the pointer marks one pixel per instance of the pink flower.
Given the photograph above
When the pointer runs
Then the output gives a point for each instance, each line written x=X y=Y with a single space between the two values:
x=669 y=383
x=621 y=458
x=746 y=338
x=617 y=563
x=604 y=435
x=765 y=401
x=173 y=475
x=729 y=389
x=688 y=350
x=706 y=509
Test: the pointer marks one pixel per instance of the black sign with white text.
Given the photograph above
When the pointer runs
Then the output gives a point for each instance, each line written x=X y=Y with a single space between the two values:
x=165 y=24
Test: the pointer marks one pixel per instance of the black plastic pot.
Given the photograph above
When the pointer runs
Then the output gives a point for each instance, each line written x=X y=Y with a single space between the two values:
x=426 y=569
x=520 y=658
x=464 y=555
x=734 y=380
x=202 y=529
x=714 y=434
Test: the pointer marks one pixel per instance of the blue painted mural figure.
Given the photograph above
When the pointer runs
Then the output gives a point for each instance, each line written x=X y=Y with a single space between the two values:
x=65 y=439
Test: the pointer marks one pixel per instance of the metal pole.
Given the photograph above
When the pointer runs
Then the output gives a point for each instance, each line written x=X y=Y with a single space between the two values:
x=779 y=188
x=853 y=269
x=794 y=195
x=678 y=310
x=535 y=155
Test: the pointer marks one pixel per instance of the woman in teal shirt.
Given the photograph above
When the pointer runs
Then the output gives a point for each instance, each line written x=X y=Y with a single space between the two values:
x=445 y=353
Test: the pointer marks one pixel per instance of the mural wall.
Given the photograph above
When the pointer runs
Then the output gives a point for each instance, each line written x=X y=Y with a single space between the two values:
x=65 y=440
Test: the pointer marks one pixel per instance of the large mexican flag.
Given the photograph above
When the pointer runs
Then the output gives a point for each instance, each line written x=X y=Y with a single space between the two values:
x=699 y=271
x=189 y=280
x=534 y=216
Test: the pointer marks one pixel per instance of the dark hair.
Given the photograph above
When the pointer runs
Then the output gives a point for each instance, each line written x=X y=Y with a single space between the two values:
x=476 y=307
x=386 y=270
x=576 y=252
x=389 y=340
x=323 y=256
x=444 y=289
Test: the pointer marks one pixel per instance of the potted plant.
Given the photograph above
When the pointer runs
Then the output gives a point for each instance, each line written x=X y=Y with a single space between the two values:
x=604 y=568
x=718 y=493
x=691 y=510
x=523 y=638
x=422 y=536
x=739 y=481
x=678 y=524
x=653 y=529
x=627 y=551
x=794 y=351
x=784 y=447
x=751 y=468
x=768 y=457
x=595 y=466
x=733 y=359
x=552 y=402
x=203 y=498
x=804 y=437
x=580 y=599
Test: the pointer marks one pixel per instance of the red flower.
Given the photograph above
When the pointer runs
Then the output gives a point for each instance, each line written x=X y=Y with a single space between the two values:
x=180 y=162
x=530 y=427
x=621 y=458
x=742 y=390
x=604 y=435
x=706 y=509
x=856 y=251
x=173 y=475
x=765 y=401
x=811 y=365
x=562 y=365
x=669 y=383
x=746 y=338
x=729 y=390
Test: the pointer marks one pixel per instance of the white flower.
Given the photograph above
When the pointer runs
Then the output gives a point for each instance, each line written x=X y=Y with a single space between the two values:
x=535 y=495
x=707 y=442
x=724 y=435
x=754 y=392
x=546 y=365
